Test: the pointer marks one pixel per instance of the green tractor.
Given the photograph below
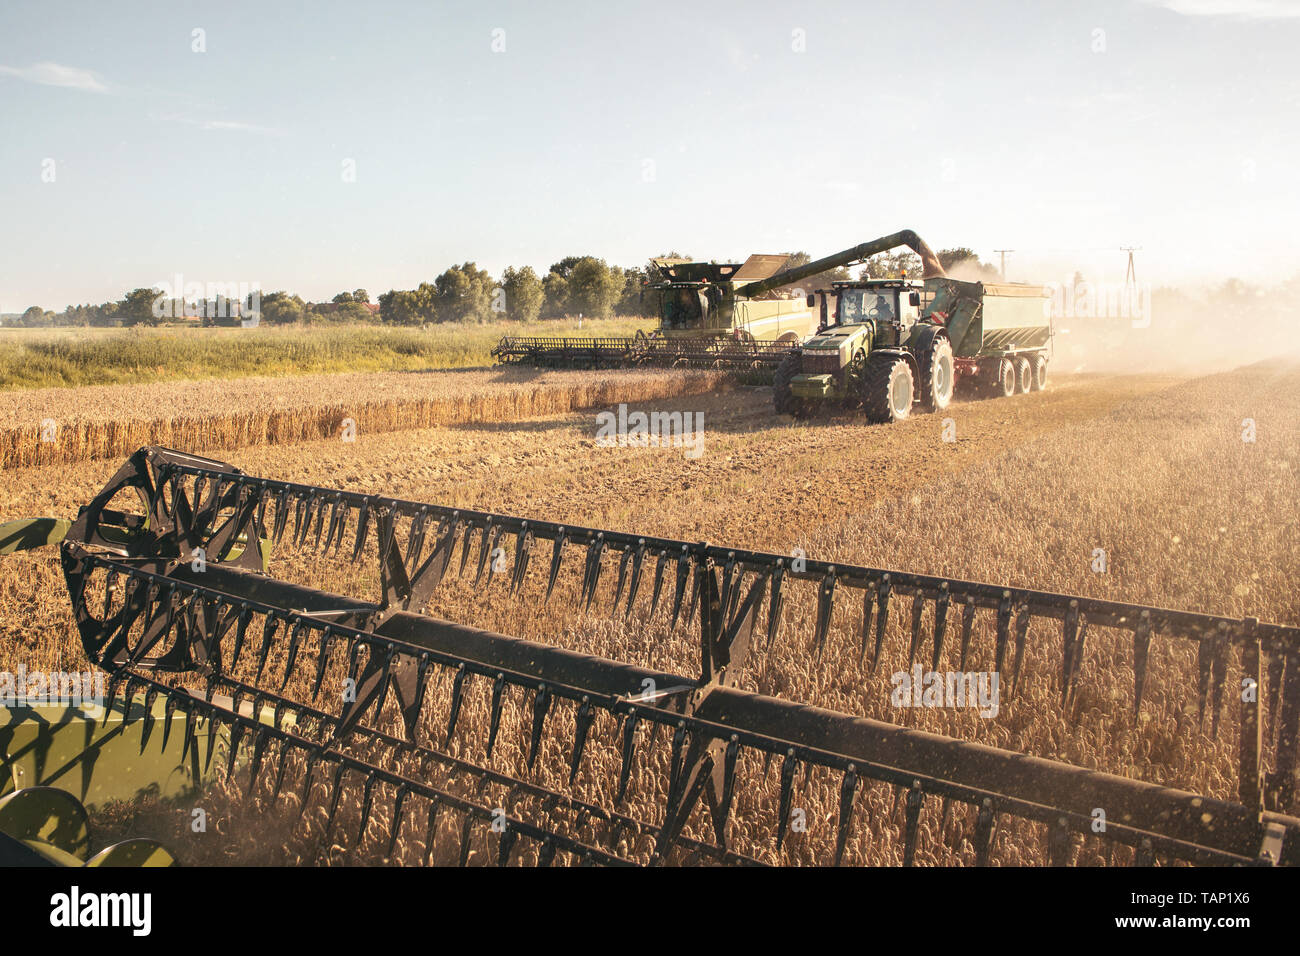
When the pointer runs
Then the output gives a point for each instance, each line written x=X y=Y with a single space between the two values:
x=878 y=349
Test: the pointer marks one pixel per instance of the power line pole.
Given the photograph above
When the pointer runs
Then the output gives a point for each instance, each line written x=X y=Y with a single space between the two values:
x=1003 y=254
x=1130 y=277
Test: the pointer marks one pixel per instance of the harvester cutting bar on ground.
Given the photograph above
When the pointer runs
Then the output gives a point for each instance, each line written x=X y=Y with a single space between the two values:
x=172 y=592
x=641 y=352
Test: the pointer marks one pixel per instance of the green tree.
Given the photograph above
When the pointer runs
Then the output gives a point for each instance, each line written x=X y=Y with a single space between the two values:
x=632 y=299
x=523 y=293
x=555 y=295
x=137 y=308
x=281 y=308
x=400 y=308
x=32 y=317
x=362 y=296
x=463 y=294
x=962 y=262
x=594 y=287
x=343 y=297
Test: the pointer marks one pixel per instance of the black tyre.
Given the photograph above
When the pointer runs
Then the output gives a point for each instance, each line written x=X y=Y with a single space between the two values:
x=854 y=376
x=1005 y=383
x=937 y=375
x=782 y=397
x=1024 y=374
x=1040 y=373
x=887 y=389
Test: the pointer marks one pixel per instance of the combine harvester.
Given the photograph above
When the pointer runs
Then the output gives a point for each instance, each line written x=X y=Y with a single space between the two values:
x=166 y=570
x=712 y=316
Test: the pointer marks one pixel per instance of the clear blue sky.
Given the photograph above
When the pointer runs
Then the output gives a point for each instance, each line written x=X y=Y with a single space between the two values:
x=993 y=125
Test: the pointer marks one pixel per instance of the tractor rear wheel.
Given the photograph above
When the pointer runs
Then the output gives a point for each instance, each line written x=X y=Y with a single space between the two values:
x=1024 y=375
x=1040 y=373
x=887 y=389
x=1005 y=384
x=937 y=376
x=783 y=397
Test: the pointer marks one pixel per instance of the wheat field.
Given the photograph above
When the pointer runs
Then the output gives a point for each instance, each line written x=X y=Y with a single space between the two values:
x=1151 y=469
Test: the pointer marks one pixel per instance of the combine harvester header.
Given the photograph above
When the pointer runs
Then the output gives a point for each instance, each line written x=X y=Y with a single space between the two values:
x=409 y=749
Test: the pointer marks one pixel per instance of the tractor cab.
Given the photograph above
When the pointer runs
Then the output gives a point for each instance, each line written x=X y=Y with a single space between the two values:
x=881 y=302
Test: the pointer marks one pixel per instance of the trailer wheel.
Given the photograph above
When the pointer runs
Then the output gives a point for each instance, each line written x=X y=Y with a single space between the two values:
x=782 y=398
x=1024 y=375
x=1005 y=384
x=1040 y=373
x=887 y=389
x=937 y=377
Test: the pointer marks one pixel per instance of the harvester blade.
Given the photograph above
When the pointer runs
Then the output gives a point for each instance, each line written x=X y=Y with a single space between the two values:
x=212 y=740
x=591 y=572
x=496 y=555
x=302 y=519
x=622 y=579
x=431 y=830
x=236 y=737
x=557 y=552
x=342 y=529
x=1204 y=659
x=546 y=853
x=883 y=590
x=322 y=657
x=505 y=845
x=582 y=724
x=638 y=562
x=1218 y=676
x=457 y=693
x=788 y=767
x=498 y=690
x=912 y=816
x=523 y=544
x=1276 y=671
x=151 y=695
x=679 y=589
x=466 y=831
x=336 y=792
x=295 y=641
x=702 y=569
x=191 y=732
x=363 y=525
x=398 y=804
x=484 y=550
x=367 y=798
x=320 y=523
x=825 y=606
x=868 y=602
x=1022 y=631
x=411 y=690
x=279 y=772
x=918 y=606
x=629 y=754
x=260 y=739
x=1141 y=649
x=464 y=549
x=1003 y=631
x=984 y=824
x=725 y=791
x=281 y=517
x=660 y=564
x=169 y=710
x=775 y=604
x=967 y=622
x=541 y=704
x=847 y=789
x=269 y=628
x=415 y=540
x=940 y=621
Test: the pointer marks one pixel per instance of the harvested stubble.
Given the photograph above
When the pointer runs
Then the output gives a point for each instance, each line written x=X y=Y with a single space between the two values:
x=111 y=421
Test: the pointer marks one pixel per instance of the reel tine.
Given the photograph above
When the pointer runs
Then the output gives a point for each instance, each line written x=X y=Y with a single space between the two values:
x=337 y=789
x=868 y=602
x=912 y=817
x=883 y=590
x=367 y=798
x=169 y=711
x=546 y=853
x=728 y=789
x=363 y=525
x=261 y=738
x=918 y=606
x=281 y=517
x=322 y=657
x=498 y=691
x=523 y=542
x=1204 y=659
x=622 y=579
x=464 y=548
x=457 y=692
x=848 y=787
x=269 y=628
x=825 y=606
x=557 y=552
x=1141 y=648
x=967 y=622
x=660 y=564
x=679 y=590
x=505 y=845
x=301 y=519
x=591 y=574
x=466 y=831
x=1218 y=676
x=1022 y=631
x=295 y=639
x=541 y=704
x=415 y=539
x=483 y=550
x=1004 y=630
x=336 y=508
x=146 y=728
x=402 y=794
x=411 y=714
x=776 y=603
x=629 y=754
x=320 y=522
x=344 y=512
x=940 y=621
x=582 y=722
x=788 y=767
x=497 y=556
x=431 y=830
x=638 y=561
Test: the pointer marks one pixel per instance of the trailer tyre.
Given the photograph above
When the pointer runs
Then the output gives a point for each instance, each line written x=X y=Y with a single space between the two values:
x=1024 y=375
x=1005 y=384
x=937 y=375
x=782 y=397
x=887 y=389
x=1040 y=373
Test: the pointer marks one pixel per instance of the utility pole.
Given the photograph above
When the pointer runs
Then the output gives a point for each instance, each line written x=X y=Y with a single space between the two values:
x=1003 y=254
x=1130 y=277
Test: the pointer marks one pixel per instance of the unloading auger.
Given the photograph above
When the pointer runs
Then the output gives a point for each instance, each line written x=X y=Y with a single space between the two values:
x=171 y=595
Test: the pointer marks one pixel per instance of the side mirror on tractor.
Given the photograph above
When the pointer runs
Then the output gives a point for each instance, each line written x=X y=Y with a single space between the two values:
x=914 y=298
x=812 y=300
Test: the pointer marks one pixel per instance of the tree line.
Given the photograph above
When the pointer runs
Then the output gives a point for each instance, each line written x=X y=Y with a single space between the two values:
x=575 y=286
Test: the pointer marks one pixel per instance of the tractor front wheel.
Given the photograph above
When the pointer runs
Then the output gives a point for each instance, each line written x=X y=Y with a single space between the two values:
x=887 y=389
x=937 y=376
